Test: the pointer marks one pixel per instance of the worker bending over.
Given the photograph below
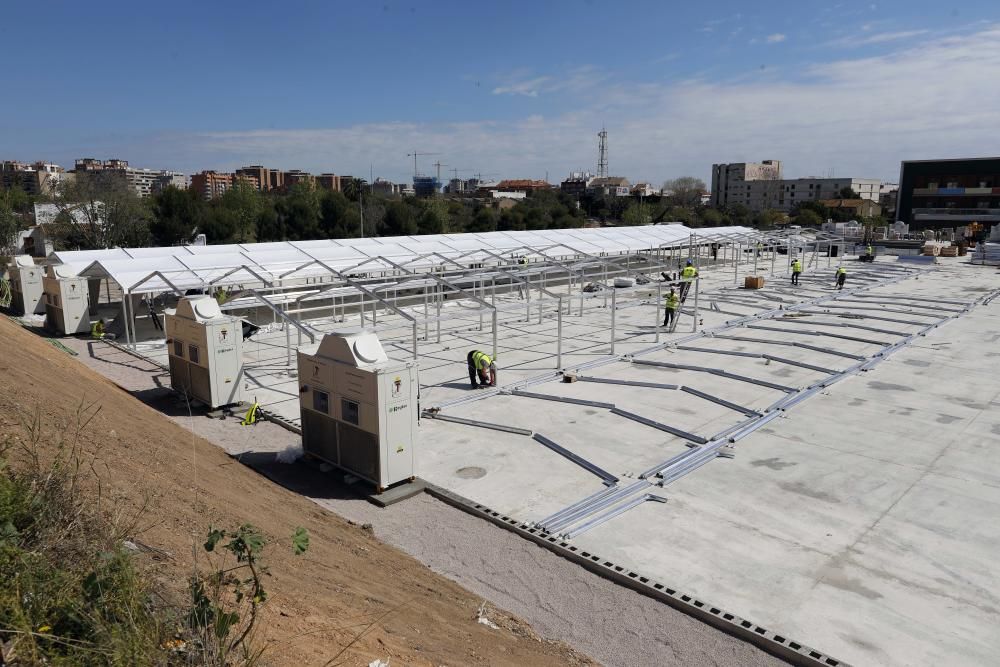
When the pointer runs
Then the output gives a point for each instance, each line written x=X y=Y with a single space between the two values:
x=483 y=366
x=688 y=276
x=796 y=270
x=97 y=329
x=673 y=302
x=841 y=277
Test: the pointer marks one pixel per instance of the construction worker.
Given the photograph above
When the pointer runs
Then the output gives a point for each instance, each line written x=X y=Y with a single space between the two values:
x=871 y=251
x=673 y=302
x=796 y=270
x=688 y=276
x=483 y=366
x=97 y=329
x=841 y=277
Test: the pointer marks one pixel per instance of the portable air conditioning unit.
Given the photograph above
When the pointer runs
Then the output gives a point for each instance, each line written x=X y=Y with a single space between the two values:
x=67 y=301
x=205 y=351
x=359 y=408
x=26 y=286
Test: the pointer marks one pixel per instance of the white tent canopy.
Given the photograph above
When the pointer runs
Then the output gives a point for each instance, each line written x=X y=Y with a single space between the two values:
x=185 y=267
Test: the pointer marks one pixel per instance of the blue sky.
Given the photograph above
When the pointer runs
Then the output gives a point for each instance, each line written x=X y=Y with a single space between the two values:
x=512 y=89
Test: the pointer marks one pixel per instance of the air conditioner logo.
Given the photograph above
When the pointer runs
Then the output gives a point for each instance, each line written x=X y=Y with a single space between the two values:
x=397 y=386
x=223 y=335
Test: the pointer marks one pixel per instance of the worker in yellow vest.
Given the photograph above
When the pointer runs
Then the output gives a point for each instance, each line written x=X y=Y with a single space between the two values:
x=871 y=251
x=97 y=329
x=841 y=277
x=688 y=276
x=796 y=270
x=482 y=368
x=673 y=302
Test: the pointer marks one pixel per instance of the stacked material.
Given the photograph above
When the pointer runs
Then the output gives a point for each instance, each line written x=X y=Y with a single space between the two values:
x=753 y=282
x=987 y=253
x=949 y=251
x=931 y=249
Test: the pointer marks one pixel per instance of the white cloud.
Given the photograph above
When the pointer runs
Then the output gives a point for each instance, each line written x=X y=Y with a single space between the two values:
x=877 y=38
x=775 y=38
x=860 y=116
x=529 y=87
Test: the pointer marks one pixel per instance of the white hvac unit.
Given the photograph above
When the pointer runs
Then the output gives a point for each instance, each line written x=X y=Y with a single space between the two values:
x=359 y=408
x=26 y=286
x=67 y=301
x=205 y=350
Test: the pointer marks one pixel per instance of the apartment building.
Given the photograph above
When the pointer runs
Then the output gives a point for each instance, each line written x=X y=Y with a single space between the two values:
x=264 y=176
x=35 y=179
x=329 y=182
x=949 y=193
x=145 y=182
x=759 y=186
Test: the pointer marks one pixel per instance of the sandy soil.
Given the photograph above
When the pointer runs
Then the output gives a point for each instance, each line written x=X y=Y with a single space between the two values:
x=559 y=599
x=319 y=601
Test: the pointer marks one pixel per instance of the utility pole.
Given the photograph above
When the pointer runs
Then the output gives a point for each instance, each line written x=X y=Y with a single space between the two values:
x=361 y=207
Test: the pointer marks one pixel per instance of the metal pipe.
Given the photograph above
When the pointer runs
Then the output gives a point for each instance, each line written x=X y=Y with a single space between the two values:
x=562 y=399
x=659 y=298
x=559 y=336
x=694 y=322
x=594 y=497
x=607 y=516
x=572 y=517
x=472 y=422
x=614 y=308
x=575 y=458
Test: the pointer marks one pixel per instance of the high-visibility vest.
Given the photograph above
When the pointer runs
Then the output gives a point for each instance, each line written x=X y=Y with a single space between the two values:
x=797 y=266
x=871 y=251
x=97 y=330
x=841 y=271
x=673 y=301
x=689 y=272
x=481 y=360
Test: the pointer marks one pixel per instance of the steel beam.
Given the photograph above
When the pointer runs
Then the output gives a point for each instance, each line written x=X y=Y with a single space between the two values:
x=607 y=516
x=472 y=422
x=562 y=399
x=575 y=458
x=680 y=433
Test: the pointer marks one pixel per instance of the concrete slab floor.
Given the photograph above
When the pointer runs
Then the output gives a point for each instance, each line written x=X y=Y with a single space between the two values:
x=856 y=523
x=861 y=522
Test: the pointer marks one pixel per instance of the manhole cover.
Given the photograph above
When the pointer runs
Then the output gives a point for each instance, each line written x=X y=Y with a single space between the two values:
x=471 y=472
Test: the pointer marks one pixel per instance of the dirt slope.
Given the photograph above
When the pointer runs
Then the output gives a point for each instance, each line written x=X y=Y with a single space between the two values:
x=318 y=601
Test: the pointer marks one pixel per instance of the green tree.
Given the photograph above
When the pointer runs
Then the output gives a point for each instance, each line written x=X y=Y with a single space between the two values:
x=176 y=216
x=484 y=220
x=808 y=218
x=848 y=192
x=400 y=219
x=246 y=203
x=711 y=217
x=101 y=210
x=299 y=213
x=433 y=218
x=10 y=225
x=739 y=215
x=767 y=219
x=637 y=214
x=684 y=191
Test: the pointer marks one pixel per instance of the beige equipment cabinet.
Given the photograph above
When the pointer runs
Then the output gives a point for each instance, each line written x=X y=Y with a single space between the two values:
x=359 y=408
x=205 y=351
x=67 y=301
x=26 y=286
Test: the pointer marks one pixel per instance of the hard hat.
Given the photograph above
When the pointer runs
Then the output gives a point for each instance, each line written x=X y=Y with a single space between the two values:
x=689 y=262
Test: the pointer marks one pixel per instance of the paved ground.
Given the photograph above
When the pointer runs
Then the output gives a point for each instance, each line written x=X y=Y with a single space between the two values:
x=859 y=521
x=559 y=599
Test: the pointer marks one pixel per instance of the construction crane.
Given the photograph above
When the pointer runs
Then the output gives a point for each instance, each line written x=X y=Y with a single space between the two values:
x=414 y=155
x=439 y=164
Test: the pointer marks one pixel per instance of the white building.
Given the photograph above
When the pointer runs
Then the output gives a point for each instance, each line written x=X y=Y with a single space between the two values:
x=760 y=186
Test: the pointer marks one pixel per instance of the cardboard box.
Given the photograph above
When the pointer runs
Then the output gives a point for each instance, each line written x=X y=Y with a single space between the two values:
x=753 y=282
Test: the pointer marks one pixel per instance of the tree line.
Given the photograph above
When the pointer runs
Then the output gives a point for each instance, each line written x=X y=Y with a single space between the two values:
x=100 y=210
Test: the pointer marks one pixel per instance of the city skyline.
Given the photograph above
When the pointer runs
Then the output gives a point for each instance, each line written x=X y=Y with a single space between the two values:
x=843 y=87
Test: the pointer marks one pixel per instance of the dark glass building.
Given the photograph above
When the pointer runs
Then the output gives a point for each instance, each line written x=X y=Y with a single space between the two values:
x=949 y=193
